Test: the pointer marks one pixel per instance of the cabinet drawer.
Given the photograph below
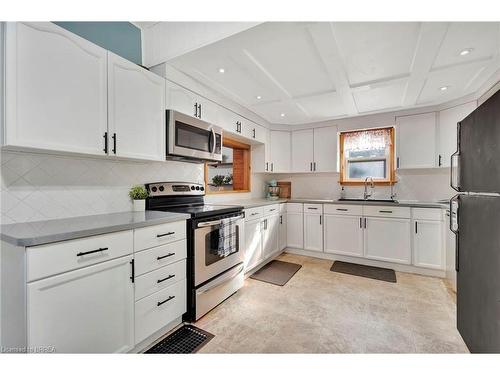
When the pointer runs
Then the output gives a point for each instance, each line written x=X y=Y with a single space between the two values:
x=343 y=209
x=145 y=238
x=387 y=211
x=156 y=280
x=313 y=208
x=254 y=213
x=427 y=214
x=51 y=259
x=272 y=209
x=159 y=309
x=295 y=207
x=157 y=257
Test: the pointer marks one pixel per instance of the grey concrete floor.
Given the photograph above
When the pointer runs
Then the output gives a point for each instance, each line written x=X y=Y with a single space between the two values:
x=319 y=311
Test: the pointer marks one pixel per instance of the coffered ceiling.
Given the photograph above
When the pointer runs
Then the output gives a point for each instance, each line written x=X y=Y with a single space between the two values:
x=301 y=72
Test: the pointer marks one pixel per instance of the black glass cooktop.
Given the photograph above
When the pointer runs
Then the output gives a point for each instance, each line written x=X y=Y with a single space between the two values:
x=204 y=210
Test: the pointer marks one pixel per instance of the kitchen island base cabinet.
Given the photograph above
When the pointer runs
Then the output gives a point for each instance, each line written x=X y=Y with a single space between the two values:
x=89 y=310
x=387 y=239
x=343 y=235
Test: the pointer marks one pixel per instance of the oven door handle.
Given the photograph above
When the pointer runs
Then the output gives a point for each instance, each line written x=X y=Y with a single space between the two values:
x=230 y=275
x=215 y=222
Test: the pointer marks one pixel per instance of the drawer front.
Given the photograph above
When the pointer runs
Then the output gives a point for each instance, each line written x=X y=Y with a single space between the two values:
x=156 y=235
x=150 y=316
x=272 y=209
x=282 y=207
x=295 y=207
x=427 y=214
x=51 y=259
x=343 y=209
x=254 y=213
x=157 y=257
x=313 y=208
x=387 y=211
x=159 y=279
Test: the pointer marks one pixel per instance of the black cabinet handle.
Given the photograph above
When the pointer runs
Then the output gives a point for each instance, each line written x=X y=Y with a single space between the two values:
x=320 y=220
x=162 y=302
x=81 y=253
x=195 y=109
x=311 y=167
x=254 y=133
x=272 y=209
x=314 y=166
x=199 y=110
x=105 y=142
x=281 y=219
x=254 y=213
x=166 y=278
x=439 y=160
x=164 y=234
x=361 y=223
x=365 y=222
x=114 y=143
x=397 y=162
x=165 y=256
x=132 y=263
x=385 y=212
x=267 y=166
x=272 y=167
x=342 y=209
x=416 y=227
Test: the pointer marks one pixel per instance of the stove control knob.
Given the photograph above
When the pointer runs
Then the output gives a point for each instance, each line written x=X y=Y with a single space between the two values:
x=197 y=188
x=153 y=189
x=192 y=187
x=161 y=188
x=202 y=188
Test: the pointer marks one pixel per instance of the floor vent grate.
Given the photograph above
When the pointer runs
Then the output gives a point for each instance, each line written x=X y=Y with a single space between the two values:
x=187 y=339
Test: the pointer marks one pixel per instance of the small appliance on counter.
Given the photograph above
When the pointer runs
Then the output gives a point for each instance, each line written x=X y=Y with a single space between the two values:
x=273 y=190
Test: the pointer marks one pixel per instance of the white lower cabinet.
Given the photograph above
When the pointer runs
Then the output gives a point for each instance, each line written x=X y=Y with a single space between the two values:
x=270 y=236
x=343 y=235
x=387 y=239
x=253 y=243
x=428 y=244
x=313 y=232
x=89 y=310
x=295 y=230
x=282 y=231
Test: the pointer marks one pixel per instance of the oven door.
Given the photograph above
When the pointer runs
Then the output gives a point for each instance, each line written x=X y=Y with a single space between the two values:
x=208 y=264
x=193 y=138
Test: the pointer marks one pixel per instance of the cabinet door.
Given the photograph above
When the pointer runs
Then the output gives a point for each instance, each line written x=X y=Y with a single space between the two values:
x=295 y=230
x=448 y=120
x=280 y=144
x=208 y=111
x=56 y=95
x=282 y=231
x=90 y=310
x=260 y=134
x=343 y=235
x=136 y=110
x=313 y=232
x=325 y=149
x=253 y=243
x=428 y=244
x=416 y=141
x=302 y=150
x=387 y=239
x=271 y=236
x=181 y=99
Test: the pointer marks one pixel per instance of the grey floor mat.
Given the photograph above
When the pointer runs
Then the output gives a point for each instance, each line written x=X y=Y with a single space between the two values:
x=377 y=273
x=276 y=272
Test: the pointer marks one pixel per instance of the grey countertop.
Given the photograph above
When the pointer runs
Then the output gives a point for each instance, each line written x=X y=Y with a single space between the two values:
x=43 y=232
x=250 y=203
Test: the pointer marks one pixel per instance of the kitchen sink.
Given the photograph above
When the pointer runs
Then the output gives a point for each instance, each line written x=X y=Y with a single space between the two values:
x=368 y=200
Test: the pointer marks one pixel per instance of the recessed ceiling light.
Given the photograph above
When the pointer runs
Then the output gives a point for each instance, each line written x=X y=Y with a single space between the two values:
x=443 y=88
x=465 y=51
x=221 y=70
x=259 y=97
x=282 y=115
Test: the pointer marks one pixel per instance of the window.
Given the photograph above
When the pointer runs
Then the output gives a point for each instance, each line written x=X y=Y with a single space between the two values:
x=232 y=175
x=367 y=153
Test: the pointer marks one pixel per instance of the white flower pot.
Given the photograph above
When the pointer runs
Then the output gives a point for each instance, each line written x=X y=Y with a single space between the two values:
x=139 y=205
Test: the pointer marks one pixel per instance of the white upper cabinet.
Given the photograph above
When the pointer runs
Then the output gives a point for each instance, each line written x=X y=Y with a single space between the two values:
x=181 y=100
x=56 y=89
x=416 y=141
x=302 y=150
x=136 y=110
x=448 y=120
x=325 y=149
x=280 y=149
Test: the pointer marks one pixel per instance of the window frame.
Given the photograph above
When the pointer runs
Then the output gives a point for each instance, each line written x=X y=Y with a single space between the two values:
x=246 y=149
x=391 y=158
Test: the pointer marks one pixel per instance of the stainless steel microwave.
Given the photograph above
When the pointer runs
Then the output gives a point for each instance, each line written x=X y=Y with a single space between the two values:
x=189 y=137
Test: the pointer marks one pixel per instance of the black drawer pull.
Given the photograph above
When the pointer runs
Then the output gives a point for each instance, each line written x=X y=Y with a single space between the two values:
x=253 y=214
x=164 y=234
x=312 y=208
x=166 y=278
x=385 y=212
x=162 y=302
x=165 y=256
x=91 y=251
x=272 y=209
x=342 y=209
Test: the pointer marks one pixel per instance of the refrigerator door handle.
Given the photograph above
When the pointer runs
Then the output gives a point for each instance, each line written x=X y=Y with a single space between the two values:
x=455 y=156
x=454 y=226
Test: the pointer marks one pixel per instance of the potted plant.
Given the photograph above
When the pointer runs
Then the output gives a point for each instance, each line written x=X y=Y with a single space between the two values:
x=218 y=181
x=138 y=194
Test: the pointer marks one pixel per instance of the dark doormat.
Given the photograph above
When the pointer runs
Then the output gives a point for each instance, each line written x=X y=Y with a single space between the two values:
x=187 y=339
x=377 y=273
x=276 y=272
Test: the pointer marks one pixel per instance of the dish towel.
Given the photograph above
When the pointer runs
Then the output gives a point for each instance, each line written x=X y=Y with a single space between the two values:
x=227 y=237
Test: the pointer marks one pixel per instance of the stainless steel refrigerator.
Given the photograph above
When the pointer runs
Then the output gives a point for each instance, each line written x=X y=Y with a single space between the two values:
x=475 y=220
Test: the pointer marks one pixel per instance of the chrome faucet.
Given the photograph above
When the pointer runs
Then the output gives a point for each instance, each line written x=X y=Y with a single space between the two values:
x=393 y=192
x=372 y=185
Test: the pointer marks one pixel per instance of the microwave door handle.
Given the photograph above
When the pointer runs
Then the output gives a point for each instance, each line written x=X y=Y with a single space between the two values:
x=213 y=142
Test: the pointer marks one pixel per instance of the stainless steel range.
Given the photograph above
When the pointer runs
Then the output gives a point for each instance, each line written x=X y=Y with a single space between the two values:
x=215 y=243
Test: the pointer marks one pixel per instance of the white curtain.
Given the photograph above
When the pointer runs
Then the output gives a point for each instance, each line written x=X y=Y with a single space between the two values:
x=375 y=139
